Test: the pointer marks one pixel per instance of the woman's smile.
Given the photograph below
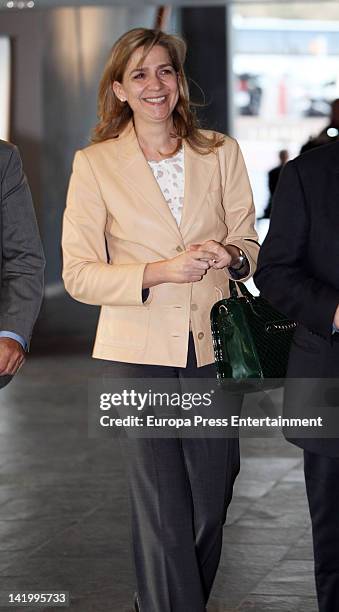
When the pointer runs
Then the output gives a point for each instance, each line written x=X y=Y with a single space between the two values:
x=150 y=85
x=157 y=100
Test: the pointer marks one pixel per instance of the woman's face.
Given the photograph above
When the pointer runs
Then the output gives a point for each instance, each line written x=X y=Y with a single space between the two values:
x=151 y=90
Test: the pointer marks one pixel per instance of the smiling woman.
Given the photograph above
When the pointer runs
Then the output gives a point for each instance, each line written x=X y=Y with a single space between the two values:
x=150 y=87
x=155 y=81
x=159 y=217
x=155 y=59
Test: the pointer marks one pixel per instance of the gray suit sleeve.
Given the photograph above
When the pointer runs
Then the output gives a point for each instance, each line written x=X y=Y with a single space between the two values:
x=22 y=255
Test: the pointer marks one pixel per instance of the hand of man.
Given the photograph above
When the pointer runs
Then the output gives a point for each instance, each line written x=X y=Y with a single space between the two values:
x=224 y=256
x=336 y=318
x=12 y=356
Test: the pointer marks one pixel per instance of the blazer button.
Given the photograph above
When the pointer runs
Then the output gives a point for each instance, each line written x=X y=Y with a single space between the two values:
x=201 y=335
x=179 y=248
x=194 y=306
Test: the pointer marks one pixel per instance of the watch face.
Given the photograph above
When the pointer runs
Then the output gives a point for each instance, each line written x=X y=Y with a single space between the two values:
x=239 y=263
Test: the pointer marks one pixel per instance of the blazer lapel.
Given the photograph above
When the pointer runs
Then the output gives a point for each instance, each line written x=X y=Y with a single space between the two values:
x=133 y=167
x=199 y=170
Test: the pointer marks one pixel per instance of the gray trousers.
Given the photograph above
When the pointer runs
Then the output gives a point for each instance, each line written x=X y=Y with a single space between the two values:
x=179 y=491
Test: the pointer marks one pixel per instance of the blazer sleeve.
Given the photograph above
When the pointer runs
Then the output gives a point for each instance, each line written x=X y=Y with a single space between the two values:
x=87 y=274
x=238 y=203
x=282 y=275
x=22 y=272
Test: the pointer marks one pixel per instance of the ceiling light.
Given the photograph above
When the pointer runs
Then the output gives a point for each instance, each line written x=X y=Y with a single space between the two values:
x=20 y=4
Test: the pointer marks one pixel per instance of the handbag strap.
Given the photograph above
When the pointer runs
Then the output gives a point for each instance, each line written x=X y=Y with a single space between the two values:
x=236 y=288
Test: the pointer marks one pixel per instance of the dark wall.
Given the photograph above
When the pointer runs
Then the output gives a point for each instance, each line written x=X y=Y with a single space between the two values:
x=206 y=32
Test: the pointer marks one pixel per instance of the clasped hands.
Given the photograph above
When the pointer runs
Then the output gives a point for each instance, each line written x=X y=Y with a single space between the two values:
x=12 y=356
x=192 y=264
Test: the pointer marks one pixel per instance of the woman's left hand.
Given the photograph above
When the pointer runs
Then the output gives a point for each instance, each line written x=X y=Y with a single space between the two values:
x=225 y=256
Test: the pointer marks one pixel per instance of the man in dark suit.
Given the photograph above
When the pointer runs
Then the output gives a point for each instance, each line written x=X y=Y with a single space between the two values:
x=298 y=272
x=21 y=264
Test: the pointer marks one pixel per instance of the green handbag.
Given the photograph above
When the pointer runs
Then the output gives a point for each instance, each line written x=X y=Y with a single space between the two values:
x=251 y=339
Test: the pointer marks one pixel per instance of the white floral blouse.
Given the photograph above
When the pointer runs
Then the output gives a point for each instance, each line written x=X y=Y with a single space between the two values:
x=170 y=176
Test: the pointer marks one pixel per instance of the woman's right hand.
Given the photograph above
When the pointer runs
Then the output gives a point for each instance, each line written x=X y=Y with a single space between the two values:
x=188 y=267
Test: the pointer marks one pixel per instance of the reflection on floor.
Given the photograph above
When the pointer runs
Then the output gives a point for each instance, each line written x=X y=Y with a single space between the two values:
x=63 y=506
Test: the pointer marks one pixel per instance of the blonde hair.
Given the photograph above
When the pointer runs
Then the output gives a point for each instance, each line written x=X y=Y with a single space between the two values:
x=114 y=115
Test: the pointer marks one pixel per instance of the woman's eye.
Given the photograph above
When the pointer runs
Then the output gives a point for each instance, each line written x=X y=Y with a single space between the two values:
x=140 y=75
x=167 y=71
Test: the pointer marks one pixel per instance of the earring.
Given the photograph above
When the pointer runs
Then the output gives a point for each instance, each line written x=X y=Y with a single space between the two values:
x=122 y=99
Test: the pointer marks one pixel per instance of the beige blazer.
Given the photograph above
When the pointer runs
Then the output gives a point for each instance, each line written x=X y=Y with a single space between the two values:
x=117 y=220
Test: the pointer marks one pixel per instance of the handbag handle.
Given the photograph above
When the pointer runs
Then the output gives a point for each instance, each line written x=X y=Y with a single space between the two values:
x=234 y=287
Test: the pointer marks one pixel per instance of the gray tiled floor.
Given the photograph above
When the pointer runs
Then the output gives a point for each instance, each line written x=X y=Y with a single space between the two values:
x=63 y=506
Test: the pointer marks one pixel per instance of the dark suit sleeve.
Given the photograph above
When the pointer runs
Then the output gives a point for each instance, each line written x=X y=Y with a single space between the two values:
x=283 y=275
x=272 y=183
x=22 y=256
